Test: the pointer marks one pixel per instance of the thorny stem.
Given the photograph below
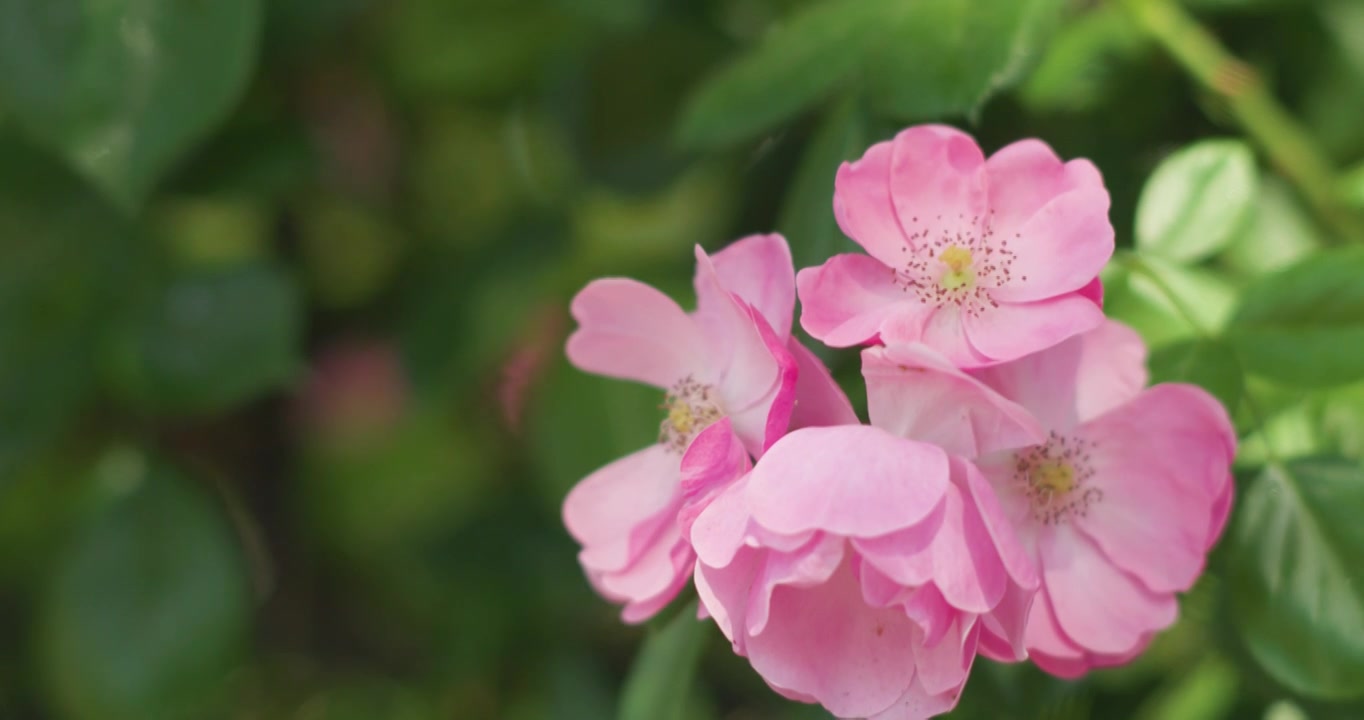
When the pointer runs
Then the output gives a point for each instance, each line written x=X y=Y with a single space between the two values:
x=1287 y=144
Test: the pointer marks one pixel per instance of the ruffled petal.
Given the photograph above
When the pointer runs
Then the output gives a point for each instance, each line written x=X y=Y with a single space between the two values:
x=755 y=371
x=915 y=393
x=1003 y=632
x=713 y=461
x=1162 y=463
x=1061 y=249
x=859 y=661
x=1008 y=332
x=917 y=703
x=820 y=402
x=966 y=567
x=1098 y=606
x=1026 y=175
x=615 y=511
x=632 y=331
x=947 y=333
x=853 y=480
x=723 y=594
x=847 y=300
x=759 y=270
x=1076 y=380
x=863 y=206
x=805 y=567
x=938 y=184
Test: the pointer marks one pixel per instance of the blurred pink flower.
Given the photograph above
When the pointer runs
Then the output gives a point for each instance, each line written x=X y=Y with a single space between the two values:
x=983 y=260
x=730 y=373
x=851 y=567
x=1118 y=505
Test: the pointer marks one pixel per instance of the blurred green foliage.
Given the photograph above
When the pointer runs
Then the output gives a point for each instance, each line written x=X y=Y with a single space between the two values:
x=285 y=422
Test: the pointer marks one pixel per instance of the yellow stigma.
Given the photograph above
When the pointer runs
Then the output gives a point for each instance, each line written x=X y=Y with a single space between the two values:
x=1054 y=476
x=959 y=271
x=681 y=417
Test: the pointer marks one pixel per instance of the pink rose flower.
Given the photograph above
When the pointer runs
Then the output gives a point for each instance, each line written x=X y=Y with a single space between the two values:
x=729 y=372
x=852 y=568
x=982 y=260
x=1118 y=506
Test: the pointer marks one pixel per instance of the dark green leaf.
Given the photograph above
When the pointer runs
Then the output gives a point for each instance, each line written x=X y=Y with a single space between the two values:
x=1298 y=575
x=794 y=66
x=1304 y=326
x=661 y=677
x=149 y=609
x=807 y=218
x=62 y=249
x=210 y=340
x=948 y=57
x=1210 y=364
x=1196 y=200
x=122 y=90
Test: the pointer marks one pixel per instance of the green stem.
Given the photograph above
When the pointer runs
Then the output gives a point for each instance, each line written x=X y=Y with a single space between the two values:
x=1284 y=141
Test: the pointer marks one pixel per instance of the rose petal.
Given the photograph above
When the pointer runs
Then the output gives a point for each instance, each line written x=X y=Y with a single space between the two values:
x=848 y=299
x=632 y=331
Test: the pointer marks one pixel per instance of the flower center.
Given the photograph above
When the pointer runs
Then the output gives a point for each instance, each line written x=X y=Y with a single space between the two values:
x=1055 y=478
x=691 y=407
x=959 y=273
x=954 y=261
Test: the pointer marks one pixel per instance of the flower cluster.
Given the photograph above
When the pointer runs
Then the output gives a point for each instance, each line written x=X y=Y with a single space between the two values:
x=1019 y=492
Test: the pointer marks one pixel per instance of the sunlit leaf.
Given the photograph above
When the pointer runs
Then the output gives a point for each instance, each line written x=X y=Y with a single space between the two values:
x=1298 y=575
x=122 y=89
x=1210 y=364
x=1304 y=326
x=1196 y=200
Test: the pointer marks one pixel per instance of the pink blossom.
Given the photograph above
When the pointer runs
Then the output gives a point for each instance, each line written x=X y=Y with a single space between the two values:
x=1118 y=505
x=982 y=260
x=730 y=375
x=852 y=567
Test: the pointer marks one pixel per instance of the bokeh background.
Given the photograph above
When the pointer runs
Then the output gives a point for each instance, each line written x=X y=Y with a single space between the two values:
x=285 y=422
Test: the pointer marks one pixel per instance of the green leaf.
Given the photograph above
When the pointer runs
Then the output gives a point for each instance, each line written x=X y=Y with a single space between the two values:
x=1210 y=364
x=807 y=218
x=1352 y=186
x=661 y=677
x=1303 y=326
x=1079 y=64
x=795 y=65
x=1298 y=575
x=1196 y=200
x=149 y=609
x=63 y=251
x=210 y=339
x=948 y=57
x=1278 y=233
x=921 y=59
x=123 y=89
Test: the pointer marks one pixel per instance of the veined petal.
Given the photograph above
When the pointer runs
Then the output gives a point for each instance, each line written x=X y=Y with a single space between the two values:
x=1097 y=605
x=1162 y=462
x=847 y=300
x=1008 y=332
x=863 y=206
x=915 y=393
x=632 y=331
x=614 y=511
x=852 y=480
x=820 y=402
x=858 y=663
x=938 y=184
x=1060 y=249
x=759 y=270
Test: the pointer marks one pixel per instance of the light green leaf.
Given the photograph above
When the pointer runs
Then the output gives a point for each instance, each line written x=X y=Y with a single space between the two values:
x=1298 y=575
x=210 y=339
x=948 y=57
x=123 y=89
x=1135 y=298
x=1304 y=326
x=1196 y=200
x=149 y=610
x=1352 y=187
x=1278 y=233
x=661 y=677
x=796 y=64
x=1210 y=364
x=807 y=218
